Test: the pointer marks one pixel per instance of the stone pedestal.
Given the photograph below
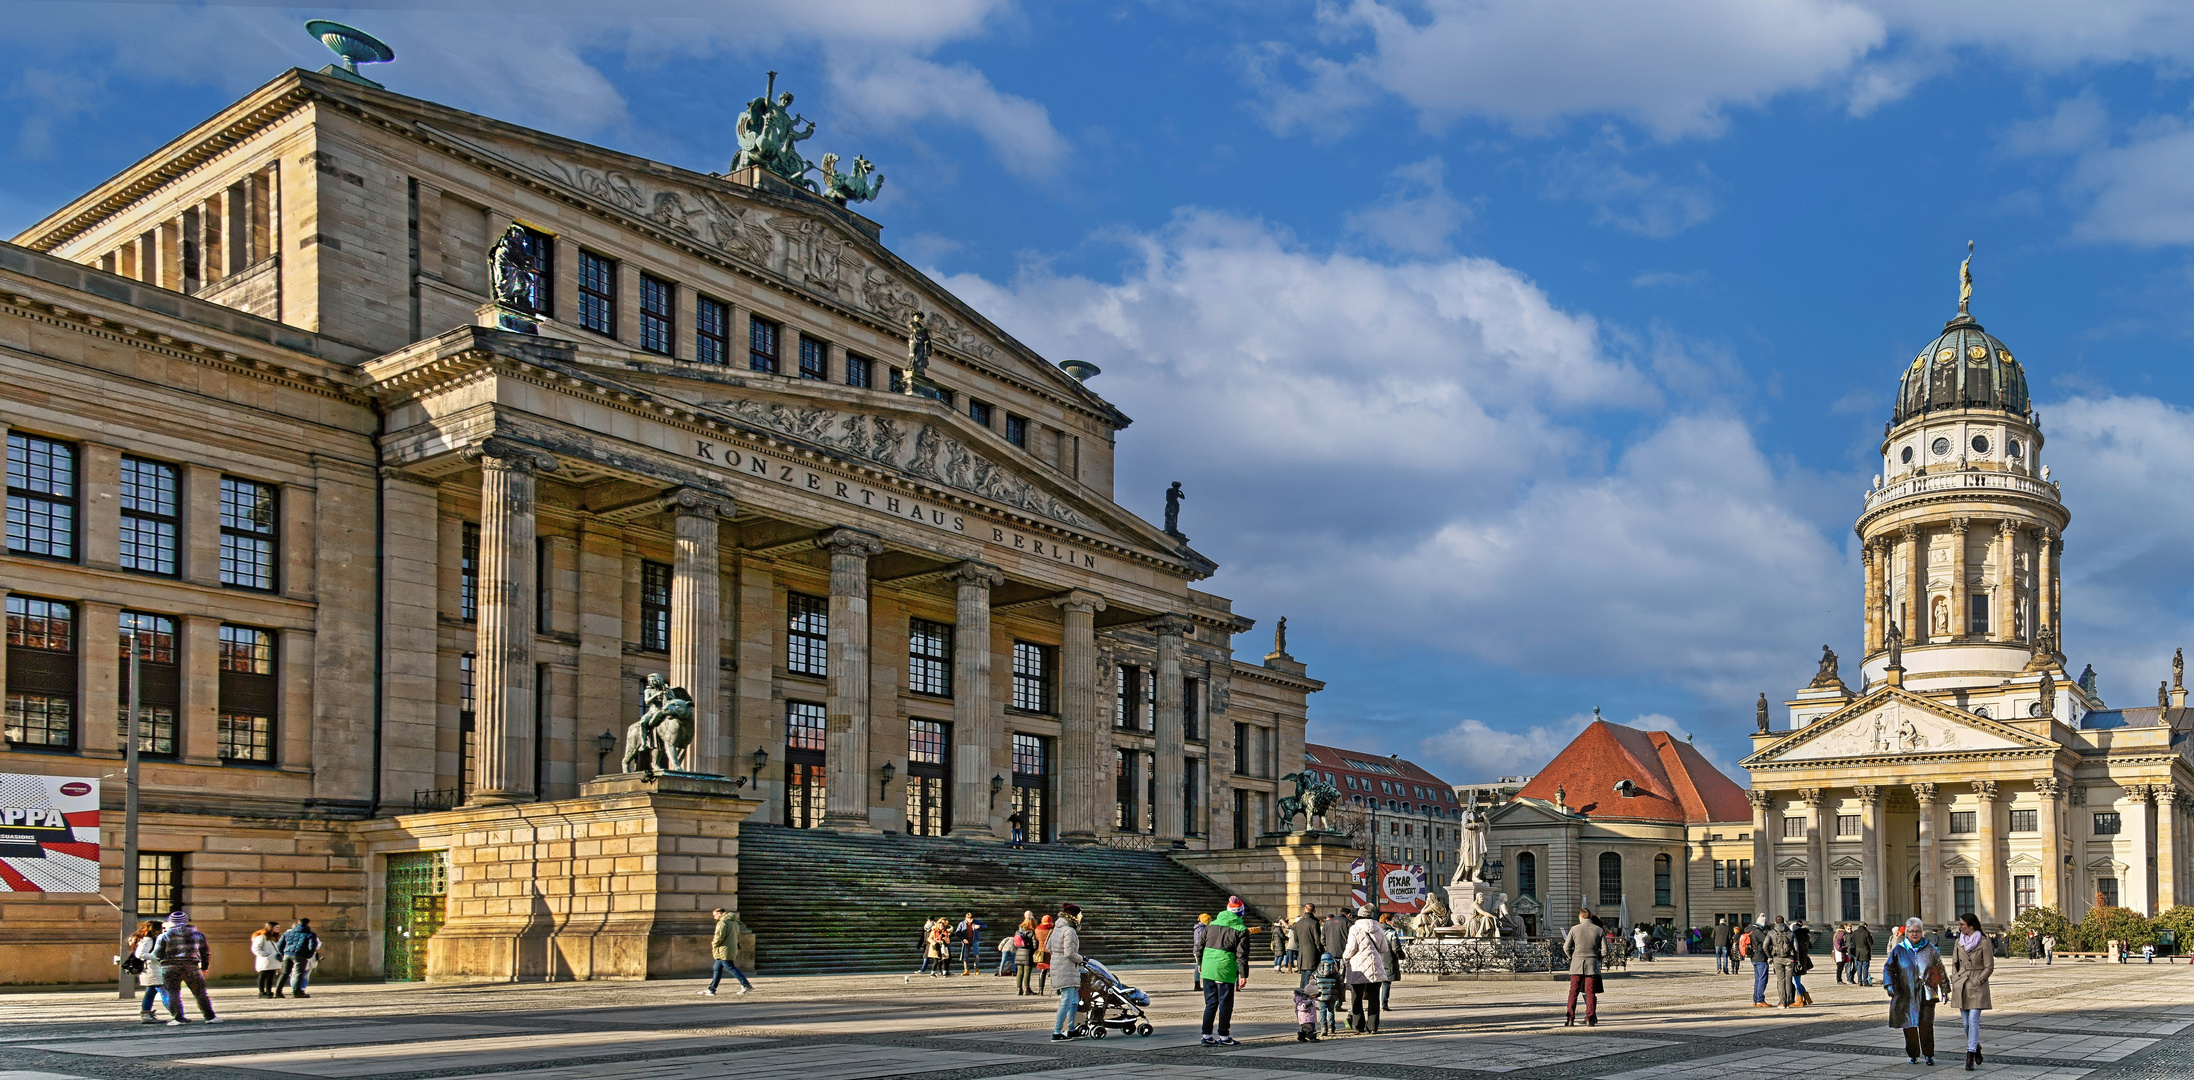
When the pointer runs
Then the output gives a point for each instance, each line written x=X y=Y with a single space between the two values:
x=615 y=884
x=1283 y=872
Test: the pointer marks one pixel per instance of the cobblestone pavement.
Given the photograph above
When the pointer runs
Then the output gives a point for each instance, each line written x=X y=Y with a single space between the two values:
x=1672 y=1020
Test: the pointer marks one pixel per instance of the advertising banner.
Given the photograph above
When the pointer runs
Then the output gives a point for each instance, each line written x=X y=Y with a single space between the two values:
x=49 y=834
x=1402 y=889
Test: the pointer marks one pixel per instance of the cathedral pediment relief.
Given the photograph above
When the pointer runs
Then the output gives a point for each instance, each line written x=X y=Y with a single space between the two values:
x=1893 y=723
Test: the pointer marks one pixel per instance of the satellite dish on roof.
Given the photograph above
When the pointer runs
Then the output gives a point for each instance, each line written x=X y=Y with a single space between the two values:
x=353 y=45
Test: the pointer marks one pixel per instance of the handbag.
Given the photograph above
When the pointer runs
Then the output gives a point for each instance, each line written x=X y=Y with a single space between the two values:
x=1599 y=985
x=133 y=964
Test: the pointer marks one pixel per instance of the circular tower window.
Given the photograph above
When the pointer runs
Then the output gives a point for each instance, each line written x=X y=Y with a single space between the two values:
x=1980 y=444
x=1941 y=446
x=2012 y=448
x=1906 y=456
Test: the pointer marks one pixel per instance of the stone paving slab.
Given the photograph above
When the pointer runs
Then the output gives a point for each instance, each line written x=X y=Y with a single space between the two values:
x=1143 y=1070
x=819 y=1061
x=28 y=1074
x=1770 y=1064
x=1457 y=1050
x=1950 y=1042
x=1164 y=1038
x=452 y=1054
x=226 y=1038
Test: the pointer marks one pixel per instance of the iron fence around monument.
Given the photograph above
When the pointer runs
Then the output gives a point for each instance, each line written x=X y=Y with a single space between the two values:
x=1473 y=956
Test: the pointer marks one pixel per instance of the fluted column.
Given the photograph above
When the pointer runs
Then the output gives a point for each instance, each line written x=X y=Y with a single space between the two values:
x=2007 y=593
x=976 y=723
x=1874 y=863
x=1989 y=905
x=696 y=622
x=1959 y=617
x=1914 y=616
x=2056 y=588
x=845 y=765
x=2133 y=892
x=2078 y=896
x=1870 y=607
x=1930 y=863
x=1080 y=769
x=1816 y=858
x=2050 y=789
x=2167 y=846
x=1169 y=766
x=1763 y=849
x=2045 y=610
x=503 y=716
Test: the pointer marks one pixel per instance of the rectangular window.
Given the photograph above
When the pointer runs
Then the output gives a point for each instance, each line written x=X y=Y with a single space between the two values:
x=814 y=358
x=860 y=371
x=1032 y=786
x=159 y=683
x=711 y=331
x=1017 y=430
x=2022 y=895
x=654 y=607
x=807 y=726
x=159 y=883
x=2106 y=823
x=1241 y=749
x=1850 y=896
x=1793 y=828
x=979 y=411
x=1124 y=789
x=544 y=585
x=1032 y=667
x=248 y=518
x=1795 y=890
x=762 y=345
x=807 y=635
x=41 y=497
x=598 y=293
x=2108 y=887
x=468 y=572
x=150 y=516
x=929 y=658
x=1744 y=871
x=1127 y=697
x=2025 y=821
x=1847 y=825
x=806 y=786
x=1721 y=877
x=1962 y=893
x=926 y=742
x=467 y=720
x=1963 y=822
x=41 y=694
x=245 y=730
x=658 y=318
x=1977 y=617
x=1192 y=708
x=928 y=806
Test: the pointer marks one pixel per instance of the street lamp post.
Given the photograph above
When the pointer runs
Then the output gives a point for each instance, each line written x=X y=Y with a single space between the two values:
x=128 y=982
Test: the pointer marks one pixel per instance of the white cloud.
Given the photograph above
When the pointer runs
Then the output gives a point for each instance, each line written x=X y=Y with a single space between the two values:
x=1642 y=204
x=1417 y=216
x=1661 y=279
x=900 y=91
x=1475 y=752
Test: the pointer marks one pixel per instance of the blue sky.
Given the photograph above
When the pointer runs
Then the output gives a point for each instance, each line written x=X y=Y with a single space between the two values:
x=1530 y=354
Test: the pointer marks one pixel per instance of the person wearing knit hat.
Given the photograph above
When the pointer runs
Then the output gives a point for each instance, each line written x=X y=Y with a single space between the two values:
x=1066 y=957
x=1195 y=950
x=184 y=960
x=1222 y=962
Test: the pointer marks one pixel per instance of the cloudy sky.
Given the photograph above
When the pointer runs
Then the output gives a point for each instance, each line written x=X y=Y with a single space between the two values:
x=1530 y=354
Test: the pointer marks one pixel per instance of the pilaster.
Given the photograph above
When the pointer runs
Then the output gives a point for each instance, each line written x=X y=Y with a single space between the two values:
x=2166 y=797
x=1167 y=729
x=1931 y=901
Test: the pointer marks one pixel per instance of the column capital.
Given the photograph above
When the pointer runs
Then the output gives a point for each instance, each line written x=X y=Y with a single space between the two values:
x=693 y=502
x=1866 y=553
x=976 y=573
x=1812 y=796
x=2137 y=792
x=2078 y=792
x=1909 y=534
x=498 y=452
x=1170 y=626
x=1868 y=793
x=1761 y=801
x=850 y=542
x=2007 y=528
x=1984 y=790
x=1959 y=525
x=2049 y=787
x=1081 y=601
x=1925 y=793
x=2163 y=794
x=2045 y=535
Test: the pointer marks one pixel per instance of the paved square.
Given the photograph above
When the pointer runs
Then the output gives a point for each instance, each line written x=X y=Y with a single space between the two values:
x=2049 y=1046
x=822 y=1061
x=375 y=1059
x=1457 y=1051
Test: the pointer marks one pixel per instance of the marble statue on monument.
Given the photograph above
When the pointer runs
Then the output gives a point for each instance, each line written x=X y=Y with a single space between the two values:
x=1471 y=856
x=917 y=370
x=662 y=739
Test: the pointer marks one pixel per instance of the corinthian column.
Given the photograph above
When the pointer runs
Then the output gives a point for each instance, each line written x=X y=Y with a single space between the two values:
x=1079 y=767
x=1170 y=631
x=1930 y=864
x=1763 y=848
x=2045 y=609
x=1871 y=558
x=1986 y=880
x=504 y=645
x=975 y=717
x=1816 y=858
x=1914 y=616
x=696 y=622
x=2007 y=593
x=1960 y=618
x=2049 y=788
x=846 y=743
x=1874 y=860
x=2167 y=846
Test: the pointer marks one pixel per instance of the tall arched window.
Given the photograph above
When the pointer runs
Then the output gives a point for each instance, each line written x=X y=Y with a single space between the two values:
x=1611 y=878
x=1663 y=883
x=1527 y=875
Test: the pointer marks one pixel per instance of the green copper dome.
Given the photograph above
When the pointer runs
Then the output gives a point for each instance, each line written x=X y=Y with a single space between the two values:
x=1965 y=368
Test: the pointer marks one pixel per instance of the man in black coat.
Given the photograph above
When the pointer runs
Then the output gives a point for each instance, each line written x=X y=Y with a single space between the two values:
x=1333 y=933
x=1723 y=938
x=1305 y=938
x=1859 y=943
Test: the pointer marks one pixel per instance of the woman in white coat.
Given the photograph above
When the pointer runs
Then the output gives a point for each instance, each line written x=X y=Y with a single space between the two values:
x=1365 y=962
x=266 y=956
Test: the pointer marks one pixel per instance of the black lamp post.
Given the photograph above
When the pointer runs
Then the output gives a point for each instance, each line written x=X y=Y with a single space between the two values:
x=603 y=744
x=997 y=784
x=883 y=792
x=761 y=761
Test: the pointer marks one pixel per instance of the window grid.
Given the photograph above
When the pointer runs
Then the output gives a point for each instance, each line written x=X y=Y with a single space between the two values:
x=1527 y=874
x=1793 y=828
x=1663 y=881
x=655 y=607
x=41 y=710
x=41 y=497
x=2025 y=821
x=41 y=624
x=926 y=742
x=762 y=345
x=247 y=534
x=1192 y=707
x=468 y=572
x=159 y=883
x=807 y=634
x=2022 y=895
x=1016 y=430
x=657 y=319
x=2107 y=823
x=1962 y=893
x=929 y=658
x=155 y=718
x=1611 y=878
x=2108 y=887
x=711 y=331
x=598 y=294
x=246 y=737
x=807 y=725
x=1032 y=664
x=814 y=358
x=150 y=516
x=1963 y=821
x=41 y=720
x=247 y=650
x=979 y=411
x=860 y=371
x=1847 y=824
x=1031 y=757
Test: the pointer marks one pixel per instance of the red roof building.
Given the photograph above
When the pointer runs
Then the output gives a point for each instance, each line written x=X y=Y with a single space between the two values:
x=1418 y=810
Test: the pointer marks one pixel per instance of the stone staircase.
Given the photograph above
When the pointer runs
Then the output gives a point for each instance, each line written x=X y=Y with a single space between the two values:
x=823 y=903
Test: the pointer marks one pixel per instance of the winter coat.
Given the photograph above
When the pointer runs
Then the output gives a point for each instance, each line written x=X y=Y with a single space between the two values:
x=1024 y=952
x=1365 y=958
x=266 y=952
x=1911 y=974
x=1583 y=944
x=1043 y=945
x=1224 y=953
x=151 y=975
x=1333 y=934
x=299 y=943
x=1803 y=939
x=1065 y=946
x=1329 y=982
x=183 y=945
x=1860 y=943
x=1304 y=939
x=1969 y=972
x=1723 y=935
x=724 y=944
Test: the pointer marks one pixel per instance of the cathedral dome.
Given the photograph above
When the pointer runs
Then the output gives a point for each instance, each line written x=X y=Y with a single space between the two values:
x=1964 y=368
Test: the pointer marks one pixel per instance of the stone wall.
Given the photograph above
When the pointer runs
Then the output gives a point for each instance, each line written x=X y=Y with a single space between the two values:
x=1282 y=873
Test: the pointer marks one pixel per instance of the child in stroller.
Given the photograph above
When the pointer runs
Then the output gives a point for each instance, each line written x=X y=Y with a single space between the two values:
x=1103 y=993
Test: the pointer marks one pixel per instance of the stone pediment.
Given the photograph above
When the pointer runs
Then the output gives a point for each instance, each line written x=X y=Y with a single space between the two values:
x=1792 y=863
x=1527 y=812
x=1847 y=863
x=2023 y=859
x=1891 y=723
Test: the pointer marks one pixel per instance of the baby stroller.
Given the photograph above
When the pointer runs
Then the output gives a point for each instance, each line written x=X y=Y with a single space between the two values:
x=1109 y=995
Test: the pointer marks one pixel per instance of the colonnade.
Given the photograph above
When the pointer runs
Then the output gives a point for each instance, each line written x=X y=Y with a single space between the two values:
x=1910 y=567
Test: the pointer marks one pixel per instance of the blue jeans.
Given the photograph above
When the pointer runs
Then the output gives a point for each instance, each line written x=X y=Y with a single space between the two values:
x=165 y=999
x=1759 y=981
x=1070 y=1002
x=1972 y=1018
x=1218 y=1006
x=294 y=967
x=1797 y=982
x=970 y=951
x=717 y=975
x=1721 y=960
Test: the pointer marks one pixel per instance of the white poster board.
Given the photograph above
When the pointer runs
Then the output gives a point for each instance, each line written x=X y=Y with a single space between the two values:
x=49 y=833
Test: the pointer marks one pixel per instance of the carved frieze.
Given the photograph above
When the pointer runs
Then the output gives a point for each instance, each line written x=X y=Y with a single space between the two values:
x=1895 y=728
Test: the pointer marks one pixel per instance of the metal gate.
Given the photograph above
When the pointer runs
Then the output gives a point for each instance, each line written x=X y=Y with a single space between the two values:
x=418 y=886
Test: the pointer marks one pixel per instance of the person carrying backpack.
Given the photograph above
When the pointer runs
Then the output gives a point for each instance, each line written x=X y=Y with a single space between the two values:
x=299 y=946
x=1753 y=947
x=1024 y=957
x=184 y=958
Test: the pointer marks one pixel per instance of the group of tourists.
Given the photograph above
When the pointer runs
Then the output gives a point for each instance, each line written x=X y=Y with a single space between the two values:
x=942 y=939
x=1337 y=955
x=169 y=957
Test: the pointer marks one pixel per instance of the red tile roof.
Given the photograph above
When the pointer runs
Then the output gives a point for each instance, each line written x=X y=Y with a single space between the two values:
x=1334 y=758
x=1674 y=783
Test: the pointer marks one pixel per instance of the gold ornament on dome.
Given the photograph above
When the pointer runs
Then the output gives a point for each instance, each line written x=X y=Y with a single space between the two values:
x=1946 y=355
x=2006 y=357
x=1977 y=352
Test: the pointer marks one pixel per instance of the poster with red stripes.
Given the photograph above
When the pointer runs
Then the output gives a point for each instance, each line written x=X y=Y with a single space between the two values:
x=1402 y=888
x=49 y=834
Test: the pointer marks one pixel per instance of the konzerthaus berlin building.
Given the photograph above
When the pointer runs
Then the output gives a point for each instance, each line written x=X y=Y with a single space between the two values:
x=389 y=563
x=1969 y=772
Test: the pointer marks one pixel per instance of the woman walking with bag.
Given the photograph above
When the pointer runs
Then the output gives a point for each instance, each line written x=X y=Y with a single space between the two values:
x=1024 y=957
x=1972 y=961
x=1365 y=959
x=147 y=966
x=266 y=956
x=1043 y=955
x=1913 y=978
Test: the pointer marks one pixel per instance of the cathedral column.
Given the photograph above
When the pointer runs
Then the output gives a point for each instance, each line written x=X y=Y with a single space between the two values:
x=1167 y=730
x=1763 y=849
x=1930 y=865
x=846 y=744
x=1960 y=619
x=1986 y=881
x=2133 y=892
x=2052 y=825
x=1080 y=769
x=1913 y=617
x=504 y=676
x=1816 y=858
x=1874 y=858
x=696 y=623
x=2056 y=588
x=2045 y=567
x=2007 y=593
x=1870 y=601
x=975 y=717
x=2077 y=894
x=2167 y=846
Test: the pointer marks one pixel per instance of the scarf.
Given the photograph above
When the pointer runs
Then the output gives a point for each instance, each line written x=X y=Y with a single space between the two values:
x=1968 y=941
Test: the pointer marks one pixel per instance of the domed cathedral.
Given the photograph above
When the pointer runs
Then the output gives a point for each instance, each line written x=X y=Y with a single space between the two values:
x=1967 y=772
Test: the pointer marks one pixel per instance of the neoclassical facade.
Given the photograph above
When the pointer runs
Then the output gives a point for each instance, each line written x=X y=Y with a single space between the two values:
x=1968 y=772
x=385 y=557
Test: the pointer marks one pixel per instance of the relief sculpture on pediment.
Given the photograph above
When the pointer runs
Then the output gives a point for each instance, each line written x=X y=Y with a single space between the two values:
x=611 y=186
x=1894 y=729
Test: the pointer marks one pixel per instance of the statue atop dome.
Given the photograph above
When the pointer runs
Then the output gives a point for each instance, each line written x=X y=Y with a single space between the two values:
x=1965 y=282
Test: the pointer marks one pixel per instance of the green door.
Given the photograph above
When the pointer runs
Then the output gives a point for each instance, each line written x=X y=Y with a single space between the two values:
x=418 y=885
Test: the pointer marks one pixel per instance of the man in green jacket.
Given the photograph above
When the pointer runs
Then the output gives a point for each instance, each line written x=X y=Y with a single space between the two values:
x=724 y=946
x=1223 y=961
